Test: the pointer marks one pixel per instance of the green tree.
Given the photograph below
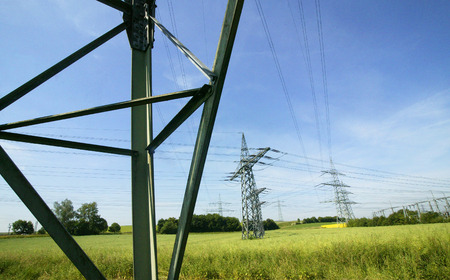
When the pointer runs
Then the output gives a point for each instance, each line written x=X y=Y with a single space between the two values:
x=65 y=213
x=160 y=225
x=169 y=227
x=84 y=221
x=270 y=224
x=42 y=231
x=89 y=221
x=115 y=227
x=22 y=227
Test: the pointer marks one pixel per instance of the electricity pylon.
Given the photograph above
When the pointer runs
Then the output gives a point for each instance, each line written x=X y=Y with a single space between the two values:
x=280 y=213
x=252 y=222
x=139 y=22
x=219 y=208
x=341 y=200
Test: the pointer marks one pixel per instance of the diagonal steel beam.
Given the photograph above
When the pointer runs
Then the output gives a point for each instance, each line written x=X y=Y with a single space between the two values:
x=101 y=109
x=223 y=54
x=64 y=143
x=45 y=216
x=117 y=4
x=14 y=95
x=197 y=62
x=193 y=104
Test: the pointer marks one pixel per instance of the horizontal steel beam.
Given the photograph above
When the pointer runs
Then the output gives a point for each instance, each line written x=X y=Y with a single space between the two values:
x=203 y=68
x=117 y=4
x=25 y=191
x=101 y=109
x=14 y=95
x=203 y=94
x=64 y=144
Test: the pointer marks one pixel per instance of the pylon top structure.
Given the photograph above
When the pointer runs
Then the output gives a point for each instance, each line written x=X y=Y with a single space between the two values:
x=139 y=21
x=252 y=226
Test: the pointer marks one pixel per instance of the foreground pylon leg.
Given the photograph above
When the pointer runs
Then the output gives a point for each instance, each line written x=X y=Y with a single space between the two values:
x=46 y=218
x=227 y=36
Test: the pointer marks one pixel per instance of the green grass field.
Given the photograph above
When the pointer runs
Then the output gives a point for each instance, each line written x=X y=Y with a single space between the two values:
x=293 y=252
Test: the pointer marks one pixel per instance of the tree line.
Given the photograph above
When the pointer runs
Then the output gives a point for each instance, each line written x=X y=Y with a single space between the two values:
x=401 y=217
x=84 y=221
x=201 y=223
x=208 y=223
x=326 y=219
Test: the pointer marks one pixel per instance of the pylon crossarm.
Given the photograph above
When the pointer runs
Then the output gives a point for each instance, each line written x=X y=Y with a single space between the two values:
x=193 y=104
x=117 y=4
x=104 y=108
x=25 y=191
x=223 y=54
x=64 y=143
x=250 y=162
x=16 y=94
x=202 y=67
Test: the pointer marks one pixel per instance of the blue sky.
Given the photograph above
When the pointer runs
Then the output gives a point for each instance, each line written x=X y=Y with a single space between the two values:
x=387 y=69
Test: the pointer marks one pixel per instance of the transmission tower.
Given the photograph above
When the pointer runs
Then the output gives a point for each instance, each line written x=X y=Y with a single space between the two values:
x=252 y=226
x=280 y=214
x=341 y=200
x=219 y=208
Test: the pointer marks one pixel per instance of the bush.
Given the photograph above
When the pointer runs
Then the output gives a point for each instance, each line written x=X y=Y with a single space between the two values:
x=169 y=227
x=270 y=224
x=114 y=228
x=22 y=227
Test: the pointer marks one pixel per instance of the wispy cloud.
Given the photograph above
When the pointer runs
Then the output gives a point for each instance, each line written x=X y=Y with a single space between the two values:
x=87 y=17
x=430 y=113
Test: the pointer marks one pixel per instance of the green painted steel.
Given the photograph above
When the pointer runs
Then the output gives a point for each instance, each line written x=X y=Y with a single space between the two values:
x=102 y=109
x=64 y=143
x=202 y=67
x=142 y=185
x=229 y=29
x=117 y=4
x=193 y=104
x=142 y=181
x=45 y=216
x=13 y=96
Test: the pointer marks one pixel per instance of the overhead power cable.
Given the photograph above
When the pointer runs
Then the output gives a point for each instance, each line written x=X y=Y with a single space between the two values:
x=307 y=59
x=324 y=73
x=280 y=75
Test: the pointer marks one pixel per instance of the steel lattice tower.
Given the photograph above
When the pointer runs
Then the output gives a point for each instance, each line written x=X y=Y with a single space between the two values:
x=252 y=226
x=139 y=21
x=341 y=200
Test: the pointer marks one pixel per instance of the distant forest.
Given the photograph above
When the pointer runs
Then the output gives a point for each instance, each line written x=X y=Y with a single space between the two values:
x=208 y=223
x=327 y=219
x=400 y=217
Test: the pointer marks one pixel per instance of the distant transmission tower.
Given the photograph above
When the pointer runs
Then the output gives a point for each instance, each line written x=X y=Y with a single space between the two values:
x=341 y=200
x=280 y=214
x=219 y=208
x=252 y=226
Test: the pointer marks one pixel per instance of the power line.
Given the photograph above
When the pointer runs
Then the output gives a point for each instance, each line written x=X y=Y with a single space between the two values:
x=280 y=75
x=307 y=59
x=324 y=73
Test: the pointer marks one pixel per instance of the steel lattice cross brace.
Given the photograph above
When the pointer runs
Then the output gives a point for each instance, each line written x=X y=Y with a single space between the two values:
x=139 y=22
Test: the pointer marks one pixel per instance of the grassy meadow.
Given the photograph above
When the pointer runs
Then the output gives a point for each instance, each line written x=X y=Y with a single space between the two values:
x=293 y=252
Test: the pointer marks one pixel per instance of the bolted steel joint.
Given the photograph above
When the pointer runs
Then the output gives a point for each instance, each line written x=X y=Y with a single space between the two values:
x=140 y=27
